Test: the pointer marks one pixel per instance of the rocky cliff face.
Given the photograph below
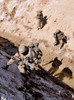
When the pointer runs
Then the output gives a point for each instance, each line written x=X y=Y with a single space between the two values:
x=43 y=86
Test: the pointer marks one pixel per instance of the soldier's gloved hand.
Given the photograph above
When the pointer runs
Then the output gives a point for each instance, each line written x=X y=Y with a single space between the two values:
x=31 y=68
x=5 y=67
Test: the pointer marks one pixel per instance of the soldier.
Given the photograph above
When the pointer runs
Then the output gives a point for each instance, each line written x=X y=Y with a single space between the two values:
x=59 y=35
x=37 y=53
x=34 y=59
x=26 y=64
x=40 y=19
x=21 y=55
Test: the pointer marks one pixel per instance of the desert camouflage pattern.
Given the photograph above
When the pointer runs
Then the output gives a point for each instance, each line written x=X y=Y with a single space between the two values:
x=59 y=35
x=39 y=19
x=30 y=61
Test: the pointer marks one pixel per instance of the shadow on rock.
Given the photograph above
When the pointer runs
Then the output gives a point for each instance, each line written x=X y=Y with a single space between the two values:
x=66 y=72
x=55 y=65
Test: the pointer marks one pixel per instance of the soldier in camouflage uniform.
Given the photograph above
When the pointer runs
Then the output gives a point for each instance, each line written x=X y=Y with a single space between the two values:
x=59 y=35
x=27 y=58
x=37 y=53
x=40 y=19
x=23 y=51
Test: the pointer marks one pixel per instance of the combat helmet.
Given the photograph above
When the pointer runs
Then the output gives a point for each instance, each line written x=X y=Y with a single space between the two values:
x=23 y=49
x=34 y=44
x=31 y=44
x=58 y=31
x=39 y=11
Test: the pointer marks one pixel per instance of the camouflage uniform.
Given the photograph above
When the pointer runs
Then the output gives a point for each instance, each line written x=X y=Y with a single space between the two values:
x=21 y=56
x=27 y=58
x=40 y=19
x=37 y=53
x=59 y=35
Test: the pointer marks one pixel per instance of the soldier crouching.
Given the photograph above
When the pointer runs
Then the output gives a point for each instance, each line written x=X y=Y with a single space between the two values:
x=40 y=19
x=59 y=36
x=27 y=60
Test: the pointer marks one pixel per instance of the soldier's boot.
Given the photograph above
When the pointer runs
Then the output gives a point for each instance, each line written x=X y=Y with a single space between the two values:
x=56 y=43
x=30 y=75
x=24 y=78
x=5 y=67
x=28 y=79
x=62 y=45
